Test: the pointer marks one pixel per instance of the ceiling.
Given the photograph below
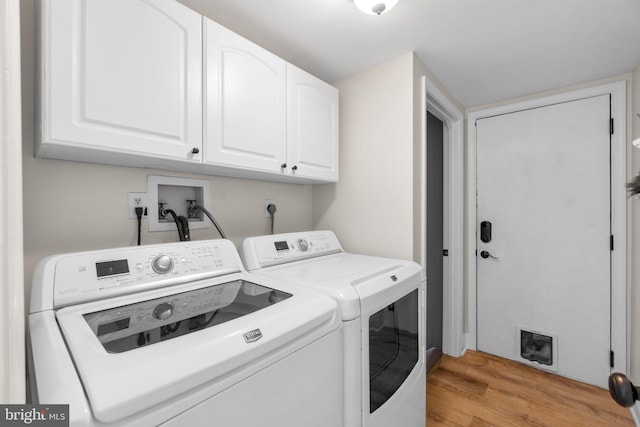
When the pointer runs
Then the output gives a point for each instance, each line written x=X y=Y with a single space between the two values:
x=480 y=50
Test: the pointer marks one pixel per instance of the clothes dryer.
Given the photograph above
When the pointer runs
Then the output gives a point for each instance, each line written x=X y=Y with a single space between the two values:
x=382 y=305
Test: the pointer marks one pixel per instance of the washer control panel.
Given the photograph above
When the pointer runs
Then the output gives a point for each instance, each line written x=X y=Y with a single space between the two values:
x=264 y=251
x=163 y=311
x=303 y=245
x=95 y=275
x=162 y=264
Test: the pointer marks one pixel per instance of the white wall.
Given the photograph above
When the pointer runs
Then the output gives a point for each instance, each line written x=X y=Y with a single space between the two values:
x=71 y=206
x=371 y=208
x=376 y=207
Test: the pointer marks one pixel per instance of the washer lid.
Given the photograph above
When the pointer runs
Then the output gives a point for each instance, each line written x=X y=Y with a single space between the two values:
x=119 y=385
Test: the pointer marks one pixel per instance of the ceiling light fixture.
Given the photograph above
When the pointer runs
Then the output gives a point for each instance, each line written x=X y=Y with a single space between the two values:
x=375 y=7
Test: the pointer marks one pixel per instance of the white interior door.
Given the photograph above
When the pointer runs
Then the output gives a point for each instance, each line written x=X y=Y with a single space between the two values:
x=543 y=182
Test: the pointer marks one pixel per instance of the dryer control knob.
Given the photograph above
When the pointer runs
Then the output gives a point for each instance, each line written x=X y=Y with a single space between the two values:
x=303 y=245
x=162 y=264
x=163 y=311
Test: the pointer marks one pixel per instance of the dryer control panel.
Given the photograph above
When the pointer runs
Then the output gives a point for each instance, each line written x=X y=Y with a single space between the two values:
x=264 y=251
x=89 y=276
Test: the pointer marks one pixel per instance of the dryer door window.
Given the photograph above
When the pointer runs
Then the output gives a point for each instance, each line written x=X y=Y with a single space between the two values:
x=393 y=348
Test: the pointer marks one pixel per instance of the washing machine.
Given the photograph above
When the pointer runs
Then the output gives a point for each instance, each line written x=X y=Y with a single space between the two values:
x=382 y=306
x=180 y=335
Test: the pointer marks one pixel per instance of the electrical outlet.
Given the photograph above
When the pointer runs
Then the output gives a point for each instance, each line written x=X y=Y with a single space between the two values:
x=137 y=200
x=267 y=203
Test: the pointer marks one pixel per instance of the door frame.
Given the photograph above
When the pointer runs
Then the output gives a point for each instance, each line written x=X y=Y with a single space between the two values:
x=618 y=208
x=437 y=102
x=12 y=339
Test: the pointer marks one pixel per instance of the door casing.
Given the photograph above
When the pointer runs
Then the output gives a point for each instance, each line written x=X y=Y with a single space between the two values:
x=618 y=209
x=454 y=337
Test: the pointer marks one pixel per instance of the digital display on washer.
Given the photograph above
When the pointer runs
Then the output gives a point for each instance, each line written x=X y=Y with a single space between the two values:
x=281 y=246
x=116 y=325
x=131 y=326
x=111 y=268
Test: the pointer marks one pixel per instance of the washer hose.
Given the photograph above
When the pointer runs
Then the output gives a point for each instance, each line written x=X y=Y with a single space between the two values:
x=212 y=219
x=181 y=223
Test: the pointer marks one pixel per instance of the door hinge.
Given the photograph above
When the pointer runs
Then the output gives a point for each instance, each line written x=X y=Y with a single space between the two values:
x=445 y=252
x=611 y=357
x=611 y=126
x=611 y=242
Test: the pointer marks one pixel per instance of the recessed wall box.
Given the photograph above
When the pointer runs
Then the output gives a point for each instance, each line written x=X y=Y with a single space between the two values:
x=177 y=194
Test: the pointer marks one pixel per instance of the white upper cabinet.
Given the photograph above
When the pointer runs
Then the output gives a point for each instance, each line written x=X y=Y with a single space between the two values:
x=123 y=77
x=245 y=103
x=312 y=126
x=151 y=83
x=264 y=115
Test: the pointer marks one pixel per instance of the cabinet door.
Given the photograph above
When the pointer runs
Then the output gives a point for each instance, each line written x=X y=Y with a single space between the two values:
x=245 y=107
x=312 y=126
x=121 y=76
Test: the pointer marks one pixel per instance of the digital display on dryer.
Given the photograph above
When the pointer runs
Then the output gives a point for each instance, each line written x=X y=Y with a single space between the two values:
x=281 y=246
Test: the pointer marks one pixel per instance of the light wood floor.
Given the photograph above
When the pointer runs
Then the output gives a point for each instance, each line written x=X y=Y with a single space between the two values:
x=478 y=389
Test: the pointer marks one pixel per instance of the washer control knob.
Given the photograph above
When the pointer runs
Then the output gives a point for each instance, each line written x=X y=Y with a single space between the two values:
x=163 y=311
x=303 y=245
x=162 y=264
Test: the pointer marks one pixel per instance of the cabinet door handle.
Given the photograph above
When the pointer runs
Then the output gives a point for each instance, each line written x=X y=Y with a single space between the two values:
x=295 y=168
x=283 y=166
x=195 y=150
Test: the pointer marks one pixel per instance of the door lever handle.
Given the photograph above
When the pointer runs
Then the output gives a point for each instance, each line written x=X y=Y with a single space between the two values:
x=486 y=254
x=622 y=390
